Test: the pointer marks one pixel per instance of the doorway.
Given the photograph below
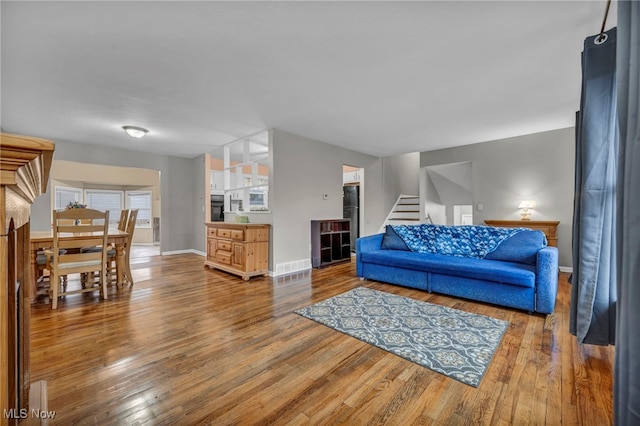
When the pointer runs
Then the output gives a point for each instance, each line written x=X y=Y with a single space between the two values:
x=352 y=199
x=447 y=191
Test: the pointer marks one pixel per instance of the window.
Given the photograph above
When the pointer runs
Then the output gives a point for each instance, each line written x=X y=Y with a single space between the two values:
x=102 y=199
x=111 y=200
x=65 y=195
x=140 y=200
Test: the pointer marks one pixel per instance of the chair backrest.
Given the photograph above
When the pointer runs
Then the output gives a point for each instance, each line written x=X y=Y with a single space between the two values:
x=124 y=217
x=89 y=228
x=131 y=224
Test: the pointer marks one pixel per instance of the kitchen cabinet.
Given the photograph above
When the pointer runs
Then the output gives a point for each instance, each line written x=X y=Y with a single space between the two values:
x=238 y=248
x=351 y=177
x=216 y=184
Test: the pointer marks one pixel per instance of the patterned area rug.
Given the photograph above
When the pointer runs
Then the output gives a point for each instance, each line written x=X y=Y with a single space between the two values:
x=455 y=343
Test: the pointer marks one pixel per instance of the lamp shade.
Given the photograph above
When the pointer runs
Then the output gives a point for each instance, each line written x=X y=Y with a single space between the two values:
x=524 y=207
x=135 y=132
x=526 y=204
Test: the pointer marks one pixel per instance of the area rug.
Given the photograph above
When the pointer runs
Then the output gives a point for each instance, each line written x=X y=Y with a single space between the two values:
x=455 y=343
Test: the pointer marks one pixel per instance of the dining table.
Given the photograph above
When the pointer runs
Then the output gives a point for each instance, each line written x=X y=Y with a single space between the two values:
x=44 y=239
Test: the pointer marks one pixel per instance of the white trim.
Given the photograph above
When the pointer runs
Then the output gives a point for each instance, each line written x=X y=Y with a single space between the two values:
x=70 y=189
x=127 y=203
x=283 y=281
x=291 y=267
x=170 y=253
x=568 y=269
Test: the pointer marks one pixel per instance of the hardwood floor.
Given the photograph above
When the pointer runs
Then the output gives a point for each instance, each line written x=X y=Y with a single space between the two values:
x=187 y=345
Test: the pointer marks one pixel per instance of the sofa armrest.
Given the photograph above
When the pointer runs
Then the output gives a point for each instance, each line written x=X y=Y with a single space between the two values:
x=546 y=280
x=364 y=244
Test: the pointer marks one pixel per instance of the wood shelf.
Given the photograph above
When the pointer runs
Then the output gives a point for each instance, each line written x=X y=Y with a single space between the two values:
x=330 y=242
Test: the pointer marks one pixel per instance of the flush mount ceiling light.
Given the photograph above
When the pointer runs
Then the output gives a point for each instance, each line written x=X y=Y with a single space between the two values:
x=135 y=132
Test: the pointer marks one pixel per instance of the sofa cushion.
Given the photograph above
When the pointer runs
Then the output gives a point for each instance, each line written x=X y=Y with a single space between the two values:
x=482 y=269
x=522 y=247
x=392 y=241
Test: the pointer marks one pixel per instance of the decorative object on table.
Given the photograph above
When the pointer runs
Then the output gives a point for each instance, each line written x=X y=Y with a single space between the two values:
x=525 y=207
x=455 y=343
x=75 y=205
x=242 y=219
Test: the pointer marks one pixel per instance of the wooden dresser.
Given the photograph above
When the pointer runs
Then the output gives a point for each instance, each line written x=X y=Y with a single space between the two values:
x=549 y=227
x=24 y=173
x=238 y=248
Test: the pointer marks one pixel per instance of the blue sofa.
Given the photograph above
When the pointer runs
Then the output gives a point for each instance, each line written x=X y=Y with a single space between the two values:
x=518 y=271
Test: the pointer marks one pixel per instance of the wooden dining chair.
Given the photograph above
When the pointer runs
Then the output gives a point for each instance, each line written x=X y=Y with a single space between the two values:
x=42 y=280
x=92 y=230
x=131 y=226
x=124 y=217
x=112 y=275
x=127 y=223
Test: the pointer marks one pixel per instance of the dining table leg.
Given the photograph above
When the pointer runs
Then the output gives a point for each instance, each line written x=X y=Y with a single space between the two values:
x=120 y=264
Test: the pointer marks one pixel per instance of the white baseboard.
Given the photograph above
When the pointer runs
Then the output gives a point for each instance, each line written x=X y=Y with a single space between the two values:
x=291 y=267
x=169 y=253
x=568 y=269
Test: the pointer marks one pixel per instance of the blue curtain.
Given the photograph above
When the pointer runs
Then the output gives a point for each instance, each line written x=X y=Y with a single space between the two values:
x=593 y=292
x=626 y=383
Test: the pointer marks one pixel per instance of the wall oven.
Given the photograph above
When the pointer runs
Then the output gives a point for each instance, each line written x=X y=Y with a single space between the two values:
x=217 y=208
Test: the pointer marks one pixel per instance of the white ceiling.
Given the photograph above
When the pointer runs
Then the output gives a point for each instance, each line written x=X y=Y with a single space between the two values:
x=383 y=78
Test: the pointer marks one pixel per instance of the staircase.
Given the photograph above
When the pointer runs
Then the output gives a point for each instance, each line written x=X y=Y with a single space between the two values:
x=406 y=211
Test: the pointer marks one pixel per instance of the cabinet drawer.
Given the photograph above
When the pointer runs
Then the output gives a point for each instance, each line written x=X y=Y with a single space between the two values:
x=211 y=232
x=223 y=257
x=224 y=233
x=237 y=234
x=224 y=245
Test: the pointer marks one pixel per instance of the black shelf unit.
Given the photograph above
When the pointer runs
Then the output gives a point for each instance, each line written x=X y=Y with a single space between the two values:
x=330 y=242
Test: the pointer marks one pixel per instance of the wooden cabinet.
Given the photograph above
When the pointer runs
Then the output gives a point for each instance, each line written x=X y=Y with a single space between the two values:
x=238 y=248
x=330 y=242
x=216 y=182
x=549 y=227
x=351 y=177
x=24 y=172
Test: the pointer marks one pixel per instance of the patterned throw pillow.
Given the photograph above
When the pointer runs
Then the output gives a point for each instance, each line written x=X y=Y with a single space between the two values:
x=392 y=241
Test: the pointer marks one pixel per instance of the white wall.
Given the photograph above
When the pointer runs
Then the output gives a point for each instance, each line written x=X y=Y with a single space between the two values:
x=538 y=166
x=303 y=170
x=181 y=183
x=95 y=176
x=401 y=175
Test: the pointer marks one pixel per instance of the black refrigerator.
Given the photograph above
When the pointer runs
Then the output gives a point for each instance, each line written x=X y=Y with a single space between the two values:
x=351 y=210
